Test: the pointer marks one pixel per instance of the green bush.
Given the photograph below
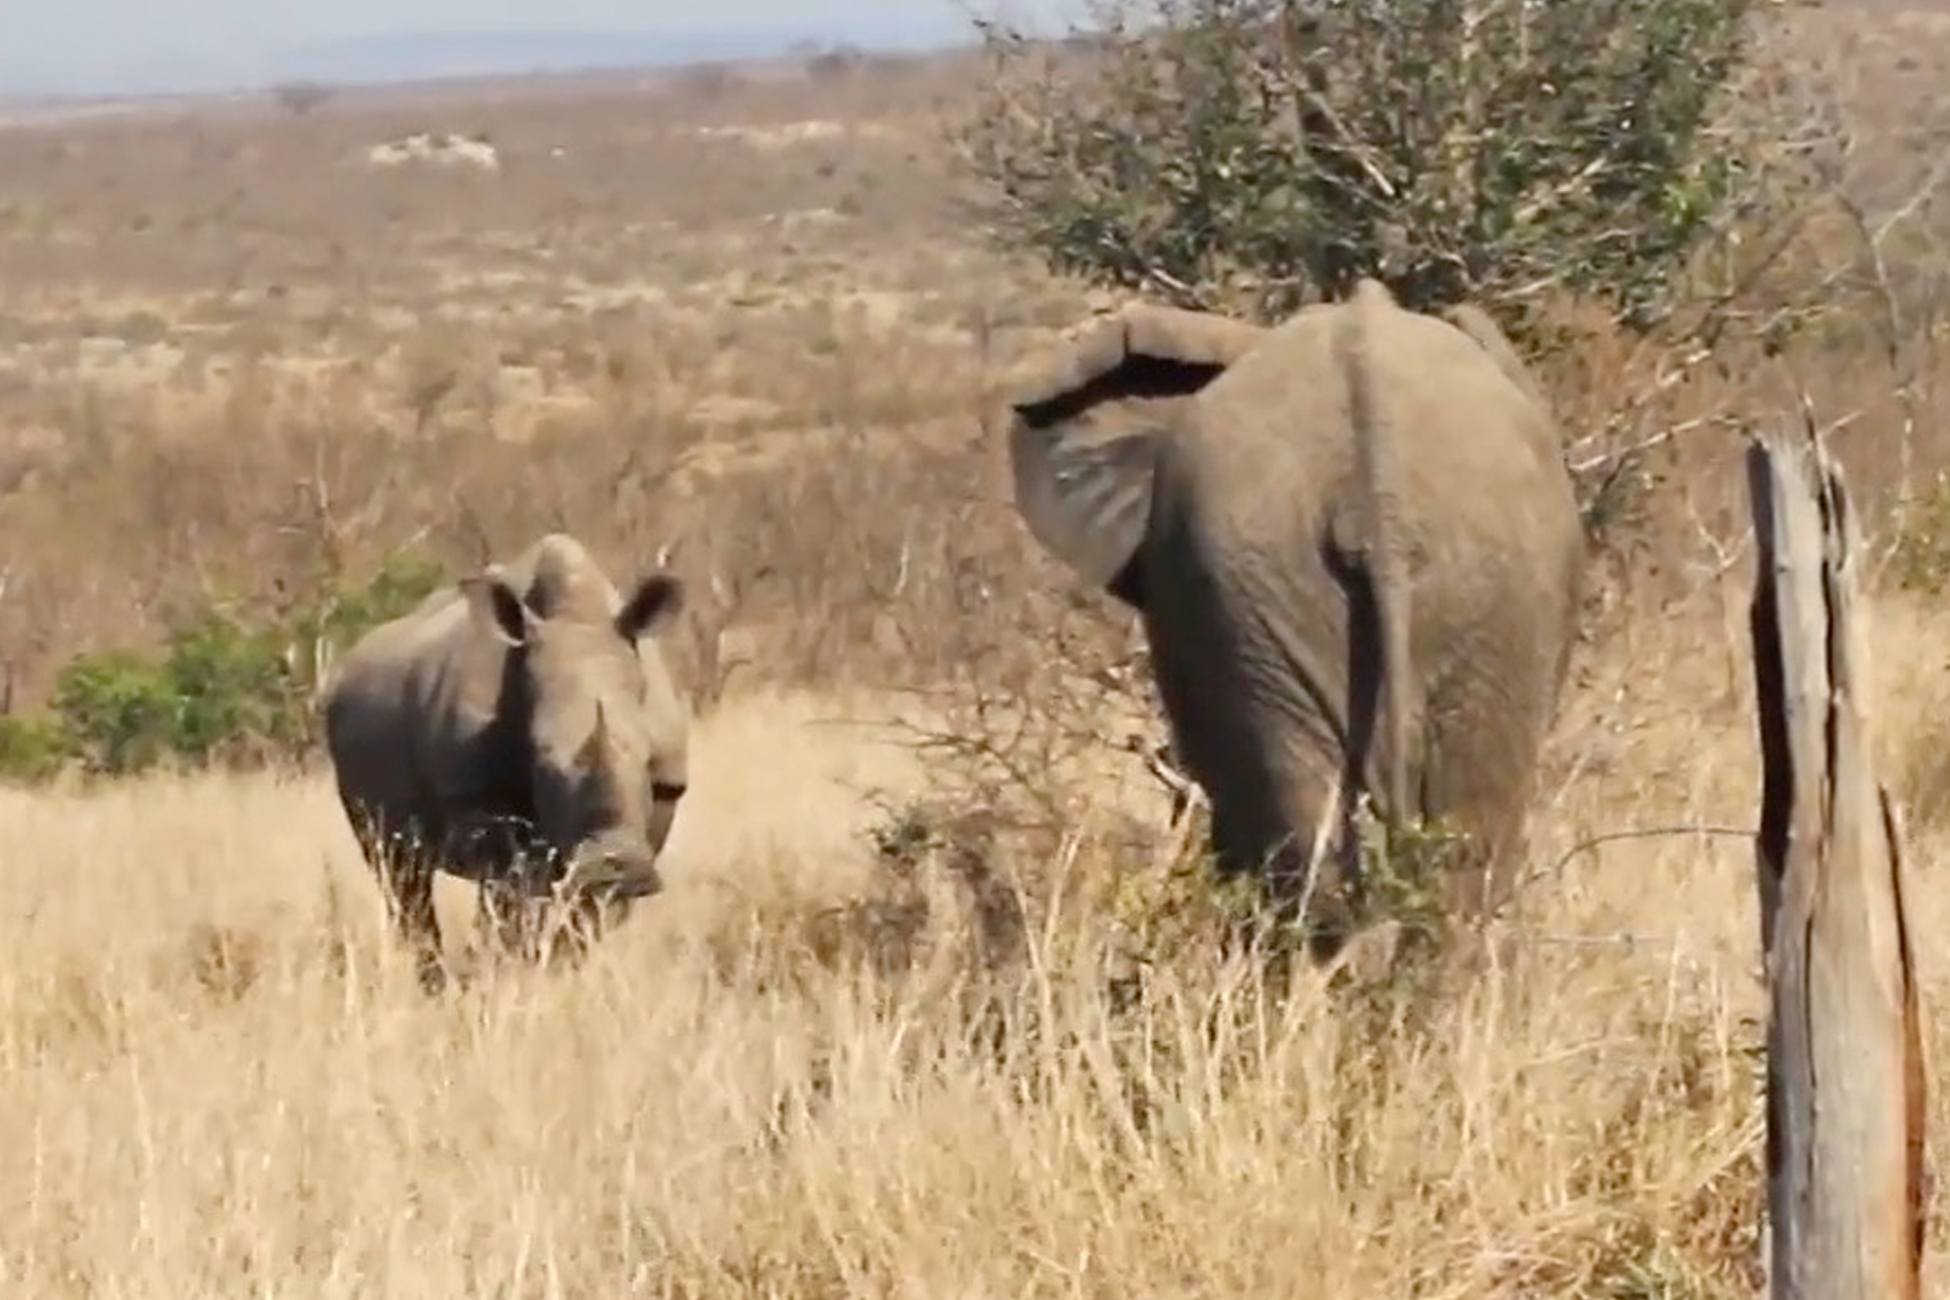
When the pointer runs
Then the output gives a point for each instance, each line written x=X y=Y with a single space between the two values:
x=402 y=582
x=116 y=710
x=221 y=691
x=1254 y=155
x=32 y=749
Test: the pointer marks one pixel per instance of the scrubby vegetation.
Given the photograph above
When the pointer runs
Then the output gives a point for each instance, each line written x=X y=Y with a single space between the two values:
x=941 y=1000
x=222 y=690
x=1676 y=171
x=1257 y=155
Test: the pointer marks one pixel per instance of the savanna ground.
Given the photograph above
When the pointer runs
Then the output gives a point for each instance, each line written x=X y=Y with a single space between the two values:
x=735 y=319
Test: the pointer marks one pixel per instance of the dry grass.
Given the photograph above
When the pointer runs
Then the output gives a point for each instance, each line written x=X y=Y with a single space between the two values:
x=232 y=356
x=213 y=1083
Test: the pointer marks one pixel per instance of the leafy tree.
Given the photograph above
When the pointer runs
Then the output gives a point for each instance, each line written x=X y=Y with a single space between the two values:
x=1254 y=155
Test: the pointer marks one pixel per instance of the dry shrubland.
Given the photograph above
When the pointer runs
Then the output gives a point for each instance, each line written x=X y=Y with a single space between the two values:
x=881 y=1036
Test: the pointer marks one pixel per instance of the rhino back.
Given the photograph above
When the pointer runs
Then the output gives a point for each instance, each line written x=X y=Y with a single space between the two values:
x=411 y=717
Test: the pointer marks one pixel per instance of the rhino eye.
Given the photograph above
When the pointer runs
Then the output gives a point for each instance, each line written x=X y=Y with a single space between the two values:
x=667 y=791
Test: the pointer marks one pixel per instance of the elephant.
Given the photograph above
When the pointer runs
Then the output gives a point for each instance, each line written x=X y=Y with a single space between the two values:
x=1355 y=550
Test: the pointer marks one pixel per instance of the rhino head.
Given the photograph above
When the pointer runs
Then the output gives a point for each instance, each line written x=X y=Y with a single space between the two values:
x=600 y=732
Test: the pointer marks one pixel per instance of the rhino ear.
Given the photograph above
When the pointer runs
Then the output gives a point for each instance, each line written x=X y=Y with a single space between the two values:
x=1083 y=440
x=496 y=607
x=657 y=599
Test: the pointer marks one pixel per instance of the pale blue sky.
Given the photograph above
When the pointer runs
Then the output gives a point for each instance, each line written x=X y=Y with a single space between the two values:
x=72 y=41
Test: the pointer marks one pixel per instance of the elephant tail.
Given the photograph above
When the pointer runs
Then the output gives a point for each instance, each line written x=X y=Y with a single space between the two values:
x=1377 y=477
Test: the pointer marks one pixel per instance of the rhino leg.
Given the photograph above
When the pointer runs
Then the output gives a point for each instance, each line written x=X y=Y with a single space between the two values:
x=419 y=927
x=534 y=929
x=574 y=926
x=406 y=879
x=507 y=914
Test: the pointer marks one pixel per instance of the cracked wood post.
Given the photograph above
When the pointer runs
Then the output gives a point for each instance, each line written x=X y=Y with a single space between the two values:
x=1845 y=1086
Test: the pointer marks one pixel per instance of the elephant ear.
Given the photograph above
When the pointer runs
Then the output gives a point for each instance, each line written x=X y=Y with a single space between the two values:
x=1083 y=440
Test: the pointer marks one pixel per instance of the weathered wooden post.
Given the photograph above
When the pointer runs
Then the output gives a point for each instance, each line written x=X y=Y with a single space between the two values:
x=1845 y=1084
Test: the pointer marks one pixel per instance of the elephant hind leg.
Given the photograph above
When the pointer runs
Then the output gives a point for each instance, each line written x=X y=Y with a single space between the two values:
x=1296 y=834
x=1488 y=802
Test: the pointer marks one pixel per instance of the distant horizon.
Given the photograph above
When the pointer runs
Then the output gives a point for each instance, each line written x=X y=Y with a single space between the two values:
x=432 y=50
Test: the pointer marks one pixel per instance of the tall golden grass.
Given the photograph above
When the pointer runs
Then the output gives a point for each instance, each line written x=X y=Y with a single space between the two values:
x=218 y=1079
x=232 y=357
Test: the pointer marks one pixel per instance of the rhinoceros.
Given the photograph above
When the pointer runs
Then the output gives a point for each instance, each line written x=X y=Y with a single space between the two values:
x=518 y=729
